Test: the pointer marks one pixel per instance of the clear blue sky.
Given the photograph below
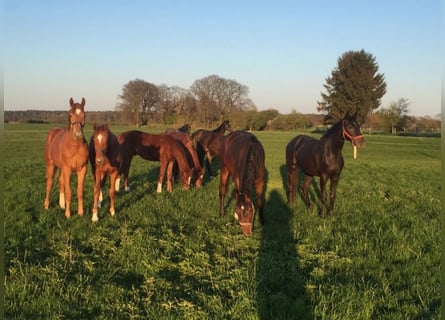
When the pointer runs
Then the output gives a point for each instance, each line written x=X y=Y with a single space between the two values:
x=283 y=51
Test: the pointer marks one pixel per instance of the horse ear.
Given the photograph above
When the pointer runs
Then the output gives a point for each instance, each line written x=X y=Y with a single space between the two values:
x=94 y=126
x=83 y=102
x=71 y=102
x=106 y=126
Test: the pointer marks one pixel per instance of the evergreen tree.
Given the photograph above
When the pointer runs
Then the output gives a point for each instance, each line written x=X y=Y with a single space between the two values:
x=354 y=87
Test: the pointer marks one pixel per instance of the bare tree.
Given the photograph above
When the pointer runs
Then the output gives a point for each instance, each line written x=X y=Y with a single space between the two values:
x=218 y=97
x=139 y=98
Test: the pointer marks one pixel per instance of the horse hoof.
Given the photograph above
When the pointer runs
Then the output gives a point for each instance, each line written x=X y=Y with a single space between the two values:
x=112 y=213
x=95 y=218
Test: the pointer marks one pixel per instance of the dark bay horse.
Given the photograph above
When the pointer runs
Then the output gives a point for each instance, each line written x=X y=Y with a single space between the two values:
x=66 y=149
x=155 y=147
x=192 y=156
x=105 y=159
x=322 y=158
x=203 y=138
x=185 y=128
x=243 y=159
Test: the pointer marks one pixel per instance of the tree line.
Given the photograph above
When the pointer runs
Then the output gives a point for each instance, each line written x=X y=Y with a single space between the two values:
x=354 y=87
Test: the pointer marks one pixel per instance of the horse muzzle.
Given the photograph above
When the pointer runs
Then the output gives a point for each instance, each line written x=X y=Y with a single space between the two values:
x=246 y=228
x=360 y=142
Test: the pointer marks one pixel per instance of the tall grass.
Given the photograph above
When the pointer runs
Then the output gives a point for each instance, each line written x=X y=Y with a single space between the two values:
x=170 y=256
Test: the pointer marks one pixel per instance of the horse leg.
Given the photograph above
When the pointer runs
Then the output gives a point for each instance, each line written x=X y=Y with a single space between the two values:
x=305 y=189
x=65 y=182
x=162 y=168
x=62 y=203
x=170 y=166
x=333 y=187
x=112 y=193
x=50 y=170
x=96 y=195
x=81 y=173
x=323 y=181
x=292 y=182
x=224 y=175
x=259 y=188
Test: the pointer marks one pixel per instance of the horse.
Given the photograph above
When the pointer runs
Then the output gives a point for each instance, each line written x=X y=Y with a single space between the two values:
x=66 y=149
x=322 y=158
x=105 y=159
x=192 y=157
x=203 y=138
x=185 y=128
x=155 y=147
x=243 y=159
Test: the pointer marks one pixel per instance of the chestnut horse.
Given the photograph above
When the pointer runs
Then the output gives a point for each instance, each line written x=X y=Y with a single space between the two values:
x=105 y=159
x=322 y=158
x=201 y=139
x=155 y=147
x=243 y=159
x=192 y=157
x=67 y=150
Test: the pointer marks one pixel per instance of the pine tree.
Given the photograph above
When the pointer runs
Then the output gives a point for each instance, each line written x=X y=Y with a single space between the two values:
x=354 y=87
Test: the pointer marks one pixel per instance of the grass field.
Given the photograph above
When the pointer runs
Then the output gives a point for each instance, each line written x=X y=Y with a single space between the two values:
x=170 y=256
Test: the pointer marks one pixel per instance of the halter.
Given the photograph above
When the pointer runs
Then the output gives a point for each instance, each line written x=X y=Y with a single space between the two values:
x=348 y=135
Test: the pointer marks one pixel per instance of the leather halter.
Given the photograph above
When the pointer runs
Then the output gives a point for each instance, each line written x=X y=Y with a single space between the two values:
x=346 y=134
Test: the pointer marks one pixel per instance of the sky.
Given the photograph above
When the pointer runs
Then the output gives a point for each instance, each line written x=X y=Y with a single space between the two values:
x=283 y=51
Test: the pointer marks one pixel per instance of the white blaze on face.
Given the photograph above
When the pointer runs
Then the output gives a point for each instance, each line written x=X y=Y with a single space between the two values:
x=78 y=111
x=99 y=138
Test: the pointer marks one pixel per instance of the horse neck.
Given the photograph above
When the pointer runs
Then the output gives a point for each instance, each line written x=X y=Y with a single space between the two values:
x=334 y=139
x=221 y=129
x=180 y=156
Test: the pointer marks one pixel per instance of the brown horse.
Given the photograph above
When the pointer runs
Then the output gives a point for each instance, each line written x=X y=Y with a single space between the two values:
x=322 y=158
x=105 y=159
x=192 y=157
x=203 y=138
x=155 y=147
x=244 y=159
x=67 y=150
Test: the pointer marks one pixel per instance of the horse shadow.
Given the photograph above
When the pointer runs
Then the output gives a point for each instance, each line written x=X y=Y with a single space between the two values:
x=314 y=190
x=281 y=292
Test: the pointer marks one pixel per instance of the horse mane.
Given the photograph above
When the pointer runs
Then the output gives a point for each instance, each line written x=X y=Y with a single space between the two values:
x=252 y=159
x=334 y=128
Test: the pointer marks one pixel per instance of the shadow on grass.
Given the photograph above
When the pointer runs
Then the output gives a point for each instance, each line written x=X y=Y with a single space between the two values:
x=281 y=282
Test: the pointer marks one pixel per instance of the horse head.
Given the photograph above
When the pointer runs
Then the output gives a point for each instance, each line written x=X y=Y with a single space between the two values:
x=76 y=119
x=227 y=126
x=100 y=142
x=244 y=212
x=352 y=132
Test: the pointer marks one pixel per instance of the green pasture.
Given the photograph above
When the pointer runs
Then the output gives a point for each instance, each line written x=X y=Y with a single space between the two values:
x=170 y=256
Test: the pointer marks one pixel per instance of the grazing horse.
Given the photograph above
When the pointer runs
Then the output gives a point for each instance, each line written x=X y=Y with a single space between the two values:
x=192 y=157
x=67 y=150
x=185 y=128
x=203 y=138
x=105 y=159
x=243 y=159
x=322 y=158
x=155 y=147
